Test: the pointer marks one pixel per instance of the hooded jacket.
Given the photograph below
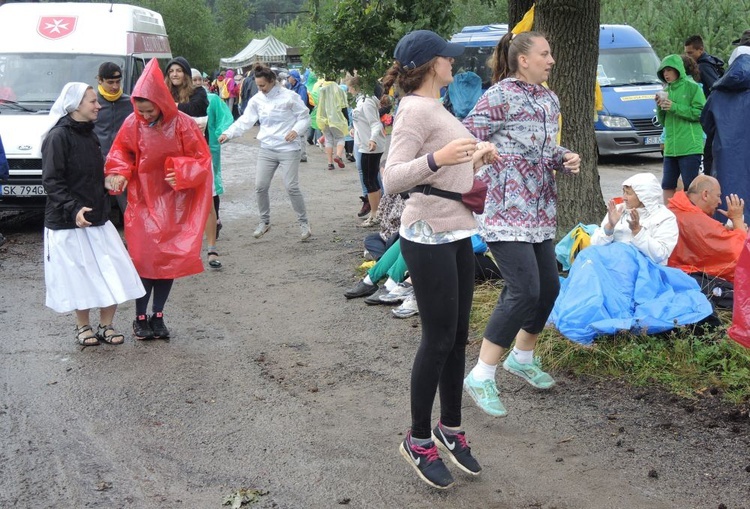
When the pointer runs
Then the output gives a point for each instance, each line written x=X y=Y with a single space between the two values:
x=659 y=232
x=163 y=224
x=72 y=175
x=299 y=87
x=367 y=125
x=684 y=135
x=725 y=116
x=705 y=245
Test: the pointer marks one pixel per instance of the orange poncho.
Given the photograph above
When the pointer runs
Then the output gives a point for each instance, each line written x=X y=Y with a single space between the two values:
x=705 y=245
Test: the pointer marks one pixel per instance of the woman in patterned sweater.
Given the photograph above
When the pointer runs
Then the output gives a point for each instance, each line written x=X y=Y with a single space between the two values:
x=520 y=116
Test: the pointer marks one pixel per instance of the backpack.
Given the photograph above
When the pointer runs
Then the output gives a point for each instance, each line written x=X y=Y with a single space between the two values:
x=717 y=64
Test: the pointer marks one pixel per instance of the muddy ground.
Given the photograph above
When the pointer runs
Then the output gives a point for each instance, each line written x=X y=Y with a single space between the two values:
x=273 y=381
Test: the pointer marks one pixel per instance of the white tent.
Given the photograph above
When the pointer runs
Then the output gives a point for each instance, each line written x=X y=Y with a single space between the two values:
x=268 y=50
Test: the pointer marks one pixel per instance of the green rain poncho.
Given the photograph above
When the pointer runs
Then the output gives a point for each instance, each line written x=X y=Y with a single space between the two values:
x=219 y=120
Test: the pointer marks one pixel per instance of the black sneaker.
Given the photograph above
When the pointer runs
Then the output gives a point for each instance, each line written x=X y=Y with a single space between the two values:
x=427 y=463
x=361 y=289
x=158 y=326
x=458 y=450
x=141 y=328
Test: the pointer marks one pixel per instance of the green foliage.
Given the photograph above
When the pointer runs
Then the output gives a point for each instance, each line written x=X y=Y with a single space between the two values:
x=477 y=12
x=667 y=26
x=684 y=362
x=361 y=34
x=295 y=33
x=191 y=28
x=231 y=18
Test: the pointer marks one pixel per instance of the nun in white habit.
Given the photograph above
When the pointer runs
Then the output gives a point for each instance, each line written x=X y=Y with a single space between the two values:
x=86 y=264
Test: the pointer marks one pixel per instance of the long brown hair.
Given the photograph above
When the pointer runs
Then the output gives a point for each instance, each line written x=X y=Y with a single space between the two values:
x=498 y=62
x=182 y=93
x=407 y=80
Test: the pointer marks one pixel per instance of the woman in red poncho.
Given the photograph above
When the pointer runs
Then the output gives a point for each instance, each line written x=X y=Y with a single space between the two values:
x=161 y=156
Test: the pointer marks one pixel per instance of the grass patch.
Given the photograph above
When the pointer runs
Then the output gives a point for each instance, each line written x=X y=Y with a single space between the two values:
x=684 y=362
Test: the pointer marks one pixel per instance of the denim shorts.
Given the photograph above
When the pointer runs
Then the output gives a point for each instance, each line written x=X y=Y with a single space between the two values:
x=685 y=166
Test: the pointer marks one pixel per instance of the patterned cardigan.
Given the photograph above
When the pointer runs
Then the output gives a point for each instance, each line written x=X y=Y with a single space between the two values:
x=521 y=119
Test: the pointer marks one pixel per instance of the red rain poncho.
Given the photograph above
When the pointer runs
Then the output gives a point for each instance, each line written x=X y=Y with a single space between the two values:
x=740 y=329
x=163 y=224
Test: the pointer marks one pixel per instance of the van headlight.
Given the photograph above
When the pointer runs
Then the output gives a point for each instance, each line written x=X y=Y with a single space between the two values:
x=615 y=122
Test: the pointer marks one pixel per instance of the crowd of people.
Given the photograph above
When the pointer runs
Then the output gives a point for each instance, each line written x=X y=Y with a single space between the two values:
x=455 y=201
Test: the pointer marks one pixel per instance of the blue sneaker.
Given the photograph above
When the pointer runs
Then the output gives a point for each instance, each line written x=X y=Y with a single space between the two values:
x=485 y=395
x=427 y=463
x=532 y=372
x=458 y=450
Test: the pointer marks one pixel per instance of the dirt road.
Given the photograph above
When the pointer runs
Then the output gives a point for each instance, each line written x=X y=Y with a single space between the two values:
x=274 y=381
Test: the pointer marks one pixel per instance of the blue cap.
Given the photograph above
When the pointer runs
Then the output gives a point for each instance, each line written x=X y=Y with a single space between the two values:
x=419 y=47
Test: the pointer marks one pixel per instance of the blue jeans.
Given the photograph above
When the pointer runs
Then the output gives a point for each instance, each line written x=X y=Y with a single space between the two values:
x=685 y=166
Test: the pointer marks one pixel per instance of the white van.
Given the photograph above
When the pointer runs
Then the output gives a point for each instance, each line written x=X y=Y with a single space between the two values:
x=43 y=46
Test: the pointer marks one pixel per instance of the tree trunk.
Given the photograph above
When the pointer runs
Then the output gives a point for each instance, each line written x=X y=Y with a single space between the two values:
x=572 y=28
x=516 y=10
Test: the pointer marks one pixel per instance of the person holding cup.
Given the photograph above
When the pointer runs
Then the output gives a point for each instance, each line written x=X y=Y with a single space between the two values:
x=85 y=263
x=679 y=108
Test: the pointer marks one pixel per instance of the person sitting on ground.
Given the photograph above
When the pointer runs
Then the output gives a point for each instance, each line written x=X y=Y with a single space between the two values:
x=641 y=220
x=705 y=245
x=391 y=264
x=389 y=212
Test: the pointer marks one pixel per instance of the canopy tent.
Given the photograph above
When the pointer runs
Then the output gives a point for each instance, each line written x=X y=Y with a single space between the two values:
x=268 y=50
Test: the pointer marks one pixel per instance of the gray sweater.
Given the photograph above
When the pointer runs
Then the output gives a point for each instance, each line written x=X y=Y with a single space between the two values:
x=422 y=126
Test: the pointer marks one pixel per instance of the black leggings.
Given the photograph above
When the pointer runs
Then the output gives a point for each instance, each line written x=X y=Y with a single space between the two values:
x=161 y=289
x=531 y=287
x=443 y=278
x=216 y=205
x=370 y=168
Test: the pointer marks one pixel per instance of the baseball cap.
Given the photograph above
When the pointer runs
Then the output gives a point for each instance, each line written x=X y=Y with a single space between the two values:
x=419 y=47
x=744 y=40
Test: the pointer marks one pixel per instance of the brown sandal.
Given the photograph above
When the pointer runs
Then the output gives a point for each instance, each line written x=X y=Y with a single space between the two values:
x=90 y=339
x=107 y=334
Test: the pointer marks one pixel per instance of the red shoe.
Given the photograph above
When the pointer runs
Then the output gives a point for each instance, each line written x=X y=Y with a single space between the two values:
x=339 y=161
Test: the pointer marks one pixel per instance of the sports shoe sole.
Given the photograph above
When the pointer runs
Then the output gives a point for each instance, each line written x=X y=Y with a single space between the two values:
x=522 y=375
x=406 y=456
x=259 y=234
x=479 y=406
x=451 y=457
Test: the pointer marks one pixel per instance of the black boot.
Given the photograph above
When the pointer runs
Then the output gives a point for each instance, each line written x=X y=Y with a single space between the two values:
x=365 y=206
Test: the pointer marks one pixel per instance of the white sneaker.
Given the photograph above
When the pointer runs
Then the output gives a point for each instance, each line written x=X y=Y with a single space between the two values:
x=398 y=294
x=261 y=230
x=407 y=308
x=370 y=222
x=305 y=231
x=367 y=256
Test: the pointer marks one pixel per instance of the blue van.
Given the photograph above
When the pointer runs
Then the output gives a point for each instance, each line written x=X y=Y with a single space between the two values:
x=626 y=73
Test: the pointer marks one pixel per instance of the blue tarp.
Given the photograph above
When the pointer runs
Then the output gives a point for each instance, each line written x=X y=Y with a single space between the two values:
x=616 y=288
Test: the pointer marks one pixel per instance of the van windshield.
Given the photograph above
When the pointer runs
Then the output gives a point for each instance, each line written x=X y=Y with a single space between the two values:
x=34 y=80
x=474 y=59
x=635 y=66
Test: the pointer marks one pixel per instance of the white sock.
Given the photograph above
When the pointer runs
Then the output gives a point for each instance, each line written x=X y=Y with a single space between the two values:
x=367 y=280
x=390 y=284
x=523 y=356
x=483 y=371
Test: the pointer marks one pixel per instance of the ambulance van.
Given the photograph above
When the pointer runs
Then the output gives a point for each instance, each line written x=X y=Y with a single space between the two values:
x=626 y=73
x=43 y=46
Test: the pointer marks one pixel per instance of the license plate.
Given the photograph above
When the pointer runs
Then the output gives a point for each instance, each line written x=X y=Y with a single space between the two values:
x=17 y=190
x=653 y=140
